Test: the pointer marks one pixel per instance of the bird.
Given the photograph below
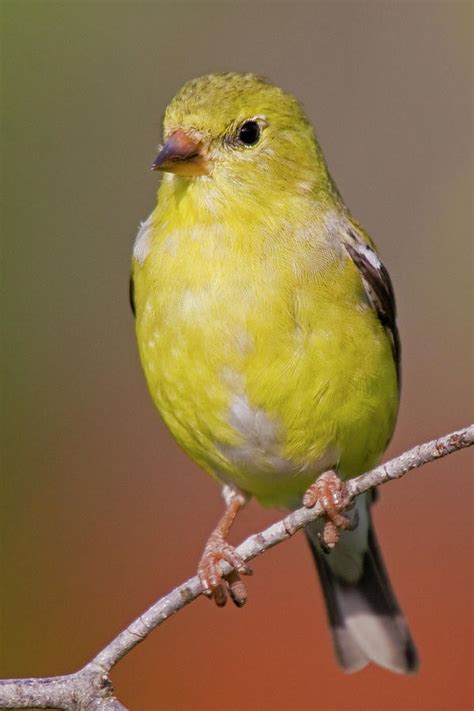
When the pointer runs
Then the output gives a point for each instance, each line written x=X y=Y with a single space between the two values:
x=266 y=328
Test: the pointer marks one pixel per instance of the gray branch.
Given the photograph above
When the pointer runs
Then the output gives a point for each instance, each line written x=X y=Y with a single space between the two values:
x=91 y=689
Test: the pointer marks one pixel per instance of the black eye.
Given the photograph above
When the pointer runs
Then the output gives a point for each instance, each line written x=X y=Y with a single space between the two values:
x=249 y=133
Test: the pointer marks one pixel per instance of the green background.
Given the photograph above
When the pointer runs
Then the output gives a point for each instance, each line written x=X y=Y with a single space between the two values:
x=102 y=513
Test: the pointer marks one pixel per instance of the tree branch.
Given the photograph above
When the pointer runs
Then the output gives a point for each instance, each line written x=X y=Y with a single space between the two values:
x=90 y=688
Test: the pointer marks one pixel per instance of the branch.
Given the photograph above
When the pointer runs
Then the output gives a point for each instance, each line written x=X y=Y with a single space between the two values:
x=90 y=688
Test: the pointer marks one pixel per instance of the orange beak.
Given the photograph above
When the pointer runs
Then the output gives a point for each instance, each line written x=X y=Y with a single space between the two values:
x=181 y=155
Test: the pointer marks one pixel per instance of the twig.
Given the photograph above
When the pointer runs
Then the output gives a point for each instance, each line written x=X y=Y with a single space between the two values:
x=90 y=688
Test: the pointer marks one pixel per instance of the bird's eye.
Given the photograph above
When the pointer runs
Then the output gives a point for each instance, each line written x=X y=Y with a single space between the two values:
x=249 y=133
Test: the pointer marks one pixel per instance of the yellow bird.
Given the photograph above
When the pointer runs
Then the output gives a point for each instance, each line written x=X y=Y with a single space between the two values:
x=266 y=327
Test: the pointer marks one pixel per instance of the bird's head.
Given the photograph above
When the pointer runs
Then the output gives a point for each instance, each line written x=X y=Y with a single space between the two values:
x=238 y=127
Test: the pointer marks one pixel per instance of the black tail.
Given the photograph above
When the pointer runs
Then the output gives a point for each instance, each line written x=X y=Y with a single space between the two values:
x=366 y=621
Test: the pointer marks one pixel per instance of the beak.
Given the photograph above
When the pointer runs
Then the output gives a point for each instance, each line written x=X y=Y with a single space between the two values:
x=181 y=155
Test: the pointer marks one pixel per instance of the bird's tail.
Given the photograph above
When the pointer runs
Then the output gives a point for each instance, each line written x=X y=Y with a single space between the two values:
x=366 y=621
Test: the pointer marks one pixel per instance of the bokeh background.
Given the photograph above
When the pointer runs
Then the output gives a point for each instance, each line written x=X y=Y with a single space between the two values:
x=102 y=513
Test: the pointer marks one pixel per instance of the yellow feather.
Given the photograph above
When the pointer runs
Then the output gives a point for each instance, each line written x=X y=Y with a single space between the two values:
x=259 y=344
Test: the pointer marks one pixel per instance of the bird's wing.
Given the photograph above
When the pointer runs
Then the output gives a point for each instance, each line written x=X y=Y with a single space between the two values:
x=377 y=284
x=141 y=248
x=131 y=294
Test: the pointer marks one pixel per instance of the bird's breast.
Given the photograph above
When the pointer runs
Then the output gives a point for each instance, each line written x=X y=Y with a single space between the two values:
x=248 y=358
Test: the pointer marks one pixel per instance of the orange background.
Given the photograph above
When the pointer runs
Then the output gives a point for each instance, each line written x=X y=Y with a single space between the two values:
x=102 y=512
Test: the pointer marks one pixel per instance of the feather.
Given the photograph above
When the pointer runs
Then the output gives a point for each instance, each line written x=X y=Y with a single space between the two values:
x=378 y=287
x=366 y=621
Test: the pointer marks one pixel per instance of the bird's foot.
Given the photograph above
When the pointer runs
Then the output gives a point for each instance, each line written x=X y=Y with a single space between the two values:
x=214 y=585
x=331 y=492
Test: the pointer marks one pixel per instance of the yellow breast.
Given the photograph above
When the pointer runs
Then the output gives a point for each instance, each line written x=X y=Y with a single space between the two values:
x=261 y=352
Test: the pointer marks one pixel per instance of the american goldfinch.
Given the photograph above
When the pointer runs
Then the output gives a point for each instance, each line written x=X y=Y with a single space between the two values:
x=266 y=328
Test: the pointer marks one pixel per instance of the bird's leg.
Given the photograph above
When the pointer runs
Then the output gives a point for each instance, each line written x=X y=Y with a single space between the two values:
x=218 y=549
x=331 y=492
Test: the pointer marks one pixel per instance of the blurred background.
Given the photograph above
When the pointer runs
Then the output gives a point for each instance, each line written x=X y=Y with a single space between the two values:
x=102 y=513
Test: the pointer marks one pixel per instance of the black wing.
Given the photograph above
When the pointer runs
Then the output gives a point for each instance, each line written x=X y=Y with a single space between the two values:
x=378 y=287
x=131 y=294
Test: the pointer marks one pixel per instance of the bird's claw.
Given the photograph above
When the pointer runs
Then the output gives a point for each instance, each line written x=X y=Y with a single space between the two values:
x=331 y=492
x=214 y=584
